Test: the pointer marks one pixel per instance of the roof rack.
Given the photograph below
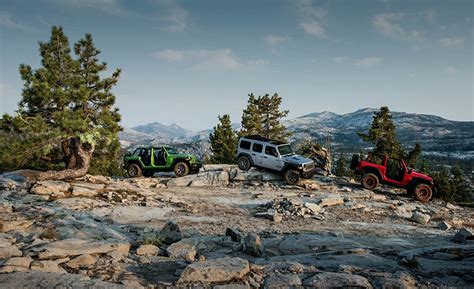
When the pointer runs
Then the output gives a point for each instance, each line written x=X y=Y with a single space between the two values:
x=264 y=139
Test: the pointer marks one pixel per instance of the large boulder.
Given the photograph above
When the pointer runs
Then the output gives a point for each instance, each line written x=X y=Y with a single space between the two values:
x=33 y=280
x=148 y=250
x=75 y=247
x=16 y=264
x=184 y=249
x=462 y=236
x=215 y=270
x=9 y=251
x=253 y=245
x=328 y=280
x=55 y=189
x=211 y=179
x=171 y=232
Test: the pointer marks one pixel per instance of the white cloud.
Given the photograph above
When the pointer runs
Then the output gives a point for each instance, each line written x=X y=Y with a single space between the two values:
x=258 y=62
x=389 y=25
x=274 y=39
x=314 y=28
x=451 y=41
x=177 y=20
x=430 y=15
x=451 y=70
x=368 y=62
x=7 y=21
x=200 y=58
x=313 y=18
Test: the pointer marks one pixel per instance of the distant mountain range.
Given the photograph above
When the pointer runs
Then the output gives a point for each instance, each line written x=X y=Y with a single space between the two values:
x=436 y=134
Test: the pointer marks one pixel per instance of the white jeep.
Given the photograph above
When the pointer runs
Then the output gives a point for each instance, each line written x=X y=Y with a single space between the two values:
x=276 y=156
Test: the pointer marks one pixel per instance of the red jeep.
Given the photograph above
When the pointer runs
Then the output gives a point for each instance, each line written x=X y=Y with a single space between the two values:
x=395 y=173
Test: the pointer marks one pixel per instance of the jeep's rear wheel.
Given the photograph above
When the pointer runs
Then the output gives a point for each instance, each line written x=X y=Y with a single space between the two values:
x=292 y=177
x=181 y=169
x=244 y=163
x=423 y=193
x=370 y=181
x=134 y=171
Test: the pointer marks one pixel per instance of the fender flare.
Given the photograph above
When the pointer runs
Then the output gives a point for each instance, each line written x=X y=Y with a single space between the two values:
x=248 y=156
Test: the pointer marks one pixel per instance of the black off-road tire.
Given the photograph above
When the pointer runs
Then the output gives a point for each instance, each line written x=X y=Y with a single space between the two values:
x=292 y=177
x=244 y=163
x=423 y=192
x=181 y=169
x=370 y=181
x=134 y=171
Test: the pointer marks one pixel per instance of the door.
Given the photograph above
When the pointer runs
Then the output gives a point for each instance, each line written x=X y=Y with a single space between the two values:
x=395 y=170
x=145 y=156
x=271 y=159
x=257 y=150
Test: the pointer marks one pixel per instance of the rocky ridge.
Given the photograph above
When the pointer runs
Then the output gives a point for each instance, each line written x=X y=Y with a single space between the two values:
x=224 y=227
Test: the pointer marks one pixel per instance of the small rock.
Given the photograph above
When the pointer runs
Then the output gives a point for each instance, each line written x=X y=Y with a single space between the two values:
x=215 y=271
x=337 y=280
x=253 y=245
x=9 y=251
x=314 y=208
x=443 y=226
x=83 y=261
x=462 y=236
x=171 y=232
x=80 y=191
x=282 y=280
x=148 y=250
x=420 y=218
x=47 y=266
x=184 y=249
x=234 y=234
x=331 y=201
x=50 y=188
x=16 y=264
x=14 y=224
x=270 y=215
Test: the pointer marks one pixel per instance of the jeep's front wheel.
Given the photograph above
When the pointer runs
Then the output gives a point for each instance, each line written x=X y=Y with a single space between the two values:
x=244 y=163
x=292 y=177
x=370 y=181
x=423 y=193
x=134 y=171
x=181 y=169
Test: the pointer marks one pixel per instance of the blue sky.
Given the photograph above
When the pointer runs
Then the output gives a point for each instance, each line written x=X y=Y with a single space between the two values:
x=186 y=62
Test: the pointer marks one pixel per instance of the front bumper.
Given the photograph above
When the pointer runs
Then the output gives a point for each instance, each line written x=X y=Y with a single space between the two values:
x=195 y=166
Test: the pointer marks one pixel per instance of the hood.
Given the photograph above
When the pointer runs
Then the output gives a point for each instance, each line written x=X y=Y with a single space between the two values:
x=296 y=159
x=421 y=176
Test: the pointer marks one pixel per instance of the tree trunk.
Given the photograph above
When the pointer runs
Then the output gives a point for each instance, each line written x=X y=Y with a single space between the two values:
x=77 y=158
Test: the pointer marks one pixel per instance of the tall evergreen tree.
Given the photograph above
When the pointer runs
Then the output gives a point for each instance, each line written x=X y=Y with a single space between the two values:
x=341 y=166
x=413 y=155
x=263 y=117
x=251 y=117
x=66 y=112
x=382 y=135
x=223 y=141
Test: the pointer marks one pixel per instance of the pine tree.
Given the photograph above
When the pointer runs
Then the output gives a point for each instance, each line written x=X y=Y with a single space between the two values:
x=412 y=157
x=223 y=141
x=263 y=117
x=341 y=166
x=66 y=112
x=251 y=117
x=382 y=135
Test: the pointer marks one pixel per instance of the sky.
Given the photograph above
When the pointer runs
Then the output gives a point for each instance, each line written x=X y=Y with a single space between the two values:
x=188 y=61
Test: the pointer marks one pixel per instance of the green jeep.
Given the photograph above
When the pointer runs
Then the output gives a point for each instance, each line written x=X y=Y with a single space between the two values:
x=147 y=161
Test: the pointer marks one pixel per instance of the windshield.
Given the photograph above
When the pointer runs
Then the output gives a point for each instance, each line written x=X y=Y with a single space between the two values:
x=172 y=151
x=285 y=150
